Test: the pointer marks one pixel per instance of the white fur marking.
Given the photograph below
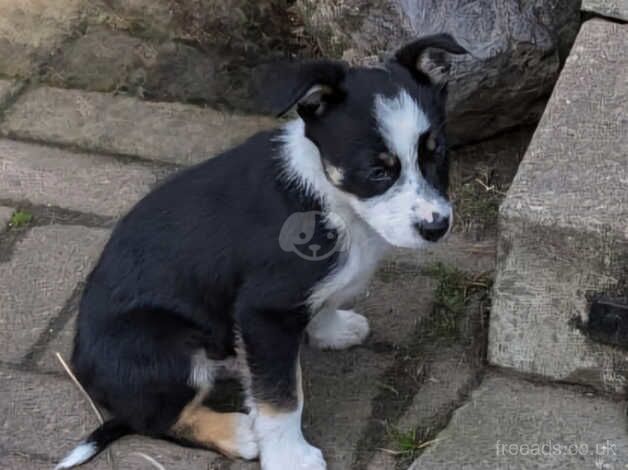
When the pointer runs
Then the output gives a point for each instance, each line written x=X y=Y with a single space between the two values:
x=245 y=438
x=401 y=122
x=282 y=445
x=337 y=329
x=80 y=454
x=202 y=370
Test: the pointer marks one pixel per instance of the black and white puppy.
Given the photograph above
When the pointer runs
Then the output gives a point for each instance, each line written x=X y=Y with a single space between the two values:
x=208 y=273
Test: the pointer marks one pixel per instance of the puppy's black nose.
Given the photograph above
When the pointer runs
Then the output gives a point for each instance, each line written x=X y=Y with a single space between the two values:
x=434 y=230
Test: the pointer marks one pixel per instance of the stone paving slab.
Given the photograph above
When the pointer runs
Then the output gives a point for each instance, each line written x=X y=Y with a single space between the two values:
x=41 y=275
x=126 y=455
x=20 y=461
x=62 y=344
x=5 y=217
x=79 y=181
x=449 y=376
x=42 y=415
x=563 y=232
x=395 y=303
x=101 y=122
x=7 y=88
x=32 y=30
x=507 y=418
x=612 y=8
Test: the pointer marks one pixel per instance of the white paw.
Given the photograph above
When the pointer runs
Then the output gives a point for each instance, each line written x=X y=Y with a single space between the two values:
x=291 y=455
x=245 y=444
x=338 y=329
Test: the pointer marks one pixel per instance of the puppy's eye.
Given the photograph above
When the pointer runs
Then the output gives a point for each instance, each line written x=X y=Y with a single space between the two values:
x=380 y=173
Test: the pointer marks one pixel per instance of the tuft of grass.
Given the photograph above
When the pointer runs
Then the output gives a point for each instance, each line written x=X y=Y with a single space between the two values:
x=407 y=444
x=453 y=290
x=20 y=219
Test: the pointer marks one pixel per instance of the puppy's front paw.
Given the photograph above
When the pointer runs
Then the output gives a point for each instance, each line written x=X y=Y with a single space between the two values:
x=291 y=455
x=338 y=330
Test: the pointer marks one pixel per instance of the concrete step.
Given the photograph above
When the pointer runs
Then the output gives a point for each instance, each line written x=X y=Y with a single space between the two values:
x=563 y=225
x=617 y=9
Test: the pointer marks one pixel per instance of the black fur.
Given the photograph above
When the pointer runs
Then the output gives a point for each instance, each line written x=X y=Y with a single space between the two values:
x=193 y=260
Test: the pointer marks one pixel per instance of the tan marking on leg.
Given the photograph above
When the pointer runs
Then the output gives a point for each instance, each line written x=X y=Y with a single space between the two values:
x=224 y=432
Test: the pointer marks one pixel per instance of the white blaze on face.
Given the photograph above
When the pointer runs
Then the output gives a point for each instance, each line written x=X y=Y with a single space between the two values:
x=411 y=199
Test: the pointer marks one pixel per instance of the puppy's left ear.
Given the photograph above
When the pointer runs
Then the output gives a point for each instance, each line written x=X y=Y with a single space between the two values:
x=413 y=57
x=312 y=86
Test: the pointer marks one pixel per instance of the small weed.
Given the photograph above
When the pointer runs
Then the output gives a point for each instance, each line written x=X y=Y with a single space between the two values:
x=453 y=291
x=20 y=219
x=406 y=445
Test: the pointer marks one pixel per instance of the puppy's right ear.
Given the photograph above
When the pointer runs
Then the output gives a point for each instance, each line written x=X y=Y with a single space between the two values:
x=311 y=86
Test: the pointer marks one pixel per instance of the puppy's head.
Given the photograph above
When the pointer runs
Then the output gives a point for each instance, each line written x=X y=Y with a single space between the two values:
x=381 y=138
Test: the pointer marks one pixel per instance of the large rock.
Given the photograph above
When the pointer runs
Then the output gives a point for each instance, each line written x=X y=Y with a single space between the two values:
x=563 y=233
x=516 y=49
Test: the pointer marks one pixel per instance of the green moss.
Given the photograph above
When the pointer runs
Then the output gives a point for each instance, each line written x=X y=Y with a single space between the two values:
x=20 y=219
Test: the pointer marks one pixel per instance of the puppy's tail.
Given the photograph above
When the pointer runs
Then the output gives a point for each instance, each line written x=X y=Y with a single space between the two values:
x=95 y=443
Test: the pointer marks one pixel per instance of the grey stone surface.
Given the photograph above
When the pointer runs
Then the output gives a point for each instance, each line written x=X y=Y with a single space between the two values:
x=42 y=273
x=32 y=30
x=395 y=302
x=513 y=424
x=170 y=132
x=83 y=182
x=22 y=461
x=42 y=415
x=449 y=376
x=130 y=454
x=611 y=8
x=62 y=344
x=516 y=49
x=7 y=88
x=5 y=217
x=563 y=232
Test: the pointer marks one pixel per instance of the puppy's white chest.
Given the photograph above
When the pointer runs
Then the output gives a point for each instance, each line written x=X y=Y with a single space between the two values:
x=354 y=269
